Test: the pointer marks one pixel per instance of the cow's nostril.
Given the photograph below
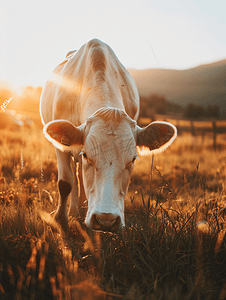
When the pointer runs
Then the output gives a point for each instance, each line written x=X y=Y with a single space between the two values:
x=106 y=222
x=94 y=223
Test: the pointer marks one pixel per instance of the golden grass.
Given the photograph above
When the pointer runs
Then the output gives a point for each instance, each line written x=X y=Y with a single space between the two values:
x=173 y=245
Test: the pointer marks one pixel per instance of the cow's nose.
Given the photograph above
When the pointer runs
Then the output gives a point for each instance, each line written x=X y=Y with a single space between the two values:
x=105 y=222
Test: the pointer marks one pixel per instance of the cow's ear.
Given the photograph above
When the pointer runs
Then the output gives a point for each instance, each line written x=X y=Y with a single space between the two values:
x=157 y=136
x=63 y=134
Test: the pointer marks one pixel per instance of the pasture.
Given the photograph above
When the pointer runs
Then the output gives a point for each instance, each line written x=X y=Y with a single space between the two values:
x=172 y=247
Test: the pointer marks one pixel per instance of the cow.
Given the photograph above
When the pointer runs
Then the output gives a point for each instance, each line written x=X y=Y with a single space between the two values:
x=89 y=108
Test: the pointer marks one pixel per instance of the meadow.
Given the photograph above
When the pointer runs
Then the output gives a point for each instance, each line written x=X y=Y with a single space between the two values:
x=172 y=246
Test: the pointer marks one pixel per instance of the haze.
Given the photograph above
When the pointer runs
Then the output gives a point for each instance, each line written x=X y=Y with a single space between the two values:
x=36 y=35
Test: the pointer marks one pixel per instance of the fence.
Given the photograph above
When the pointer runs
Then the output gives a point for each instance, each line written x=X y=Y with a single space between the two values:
x=196 y=128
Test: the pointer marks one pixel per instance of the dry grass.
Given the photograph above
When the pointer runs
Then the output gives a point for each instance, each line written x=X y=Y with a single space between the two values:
x=172 y=247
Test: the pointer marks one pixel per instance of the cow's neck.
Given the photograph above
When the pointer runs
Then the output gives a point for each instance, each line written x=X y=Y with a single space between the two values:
x=97 y=101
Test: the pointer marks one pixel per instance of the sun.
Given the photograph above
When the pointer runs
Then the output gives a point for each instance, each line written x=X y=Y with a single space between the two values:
x=17 y=89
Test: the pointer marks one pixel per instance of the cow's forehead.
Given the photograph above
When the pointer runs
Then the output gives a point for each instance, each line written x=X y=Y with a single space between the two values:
x=112 y=143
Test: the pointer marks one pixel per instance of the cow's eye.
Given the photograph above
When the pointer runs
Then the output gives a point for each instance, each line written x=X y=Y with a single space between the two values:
x=84 y=155
x=133 y=160
x=131 y=163
x=135 y=157
x=88 y=160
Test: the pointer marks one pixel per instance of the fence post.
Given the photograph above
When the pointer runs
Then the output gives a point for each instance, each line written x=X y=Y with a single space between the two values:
x=214 y=135
x=178 y=128
x=203 y=135
x=192 y=128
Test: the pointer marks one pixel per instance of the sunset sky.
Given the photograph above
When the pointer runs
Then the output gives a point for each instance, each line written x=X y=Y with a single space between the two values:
x=35 y=35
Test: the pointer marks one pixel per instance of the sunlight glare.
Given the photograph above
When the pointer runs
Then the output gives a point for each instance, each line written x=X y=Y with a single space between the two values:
x=65 y=83
x=17 y=89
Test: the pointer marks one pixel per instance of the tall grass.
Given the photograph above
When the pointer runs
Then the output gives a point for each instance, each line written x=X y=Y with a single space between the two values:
x=172 y=246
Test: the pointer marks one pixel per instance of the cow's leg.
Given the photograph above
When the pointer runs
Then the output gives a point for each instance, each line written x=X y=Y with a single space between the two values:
x=77 y=194
x=65 y=183
x=82 y=190
x=74 y=203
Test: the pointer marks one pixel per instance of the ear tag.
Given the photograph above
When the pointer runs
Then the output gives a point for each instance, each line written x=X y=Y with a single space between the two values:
x=65 y=141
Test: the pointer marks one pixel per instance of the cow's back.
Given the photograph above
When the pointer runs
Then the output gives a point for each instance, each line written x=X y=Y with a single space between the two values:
x=87 y=80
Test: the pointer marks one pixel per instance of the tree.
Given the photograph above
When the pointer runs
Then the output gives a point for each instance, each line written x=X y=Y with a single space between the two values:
x=189 y=111
x=199 y=112
x=213 y=111
x=193 y=111
x=152 y=104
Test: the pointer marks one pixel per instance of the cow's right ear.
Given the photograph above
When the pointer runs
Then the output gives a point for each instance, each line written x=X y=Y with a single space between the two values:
x=63 y=134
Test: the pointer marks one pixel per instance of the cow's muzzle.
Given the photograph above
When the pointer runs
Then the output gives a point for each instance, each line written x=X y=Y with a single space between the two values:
x=105 y=222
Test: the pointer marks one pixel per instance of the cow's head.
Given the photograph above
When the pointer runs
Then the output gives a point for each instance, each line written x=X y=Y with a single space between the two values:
x=108 y=141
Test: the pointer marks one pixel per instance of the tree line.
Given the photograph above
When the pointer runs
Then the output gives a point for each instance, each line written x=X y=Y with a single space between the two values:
x=193 y=111
x=158 y=104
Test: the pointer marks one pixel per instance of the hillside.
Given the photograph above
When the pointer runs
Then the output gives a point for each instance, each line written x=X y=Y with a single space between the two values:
x=204 y=85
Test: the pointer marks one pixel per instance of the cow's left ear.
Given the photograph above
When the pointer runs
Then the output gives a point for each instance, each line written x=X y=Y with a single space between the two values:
x=157 y=136
x=63 y=134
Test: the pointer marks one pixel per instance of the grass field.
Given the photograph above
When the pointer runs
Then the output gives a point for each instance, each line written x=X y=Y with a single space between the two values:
x=172 y=247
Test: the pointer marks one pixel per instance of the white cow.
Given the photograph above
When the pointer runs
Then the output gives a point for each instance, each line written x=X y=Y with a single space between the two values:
x=89 y=108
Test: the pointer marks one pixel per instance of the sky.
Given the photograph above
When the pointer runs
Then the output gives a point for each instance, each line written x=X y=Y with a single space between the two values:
x=35 y=35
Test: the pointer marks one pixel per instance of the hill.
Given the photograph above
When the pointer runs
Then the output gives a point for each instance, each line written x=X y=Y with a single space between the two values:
x=203 y=85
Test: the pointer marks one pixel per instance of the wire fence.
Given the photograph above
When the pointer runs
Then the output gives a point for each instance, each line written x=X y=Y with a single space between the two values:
x=195 y=128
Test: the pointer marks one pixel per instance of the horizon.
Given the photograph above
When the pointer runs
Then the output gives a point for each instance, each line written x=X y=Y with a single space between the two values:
x=18 y=89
